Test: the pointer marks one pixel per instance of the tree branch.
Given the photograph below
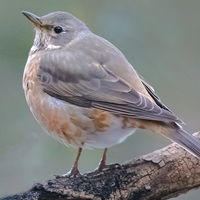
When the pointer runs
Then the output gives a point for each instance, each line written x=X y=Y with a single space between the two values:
x=162 y=174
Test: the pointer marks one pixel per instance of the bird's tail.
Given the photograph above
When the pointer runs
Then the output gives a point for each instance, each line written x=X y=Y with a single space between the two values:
x=175 y=133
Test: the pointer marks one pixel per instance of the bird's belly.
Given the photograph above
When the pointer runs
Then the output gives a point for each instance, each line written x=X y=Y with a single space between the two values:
x=77 y=126
x=109 y=138
x=70 y=124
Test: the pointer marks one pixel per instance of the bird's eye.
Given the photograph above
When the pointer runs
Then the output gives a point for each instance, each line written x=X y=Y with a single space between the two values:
x=58 y=29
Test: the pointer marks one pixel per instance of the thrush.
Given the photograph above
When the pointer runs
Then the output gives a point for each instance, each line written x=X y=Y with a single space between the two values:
x=83 y=92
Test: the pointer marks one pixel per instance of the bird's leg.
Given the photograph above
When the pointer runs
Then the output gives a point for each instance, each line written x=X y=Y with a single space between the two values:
x=74 y=170
x=102 y=163
x=101 y=166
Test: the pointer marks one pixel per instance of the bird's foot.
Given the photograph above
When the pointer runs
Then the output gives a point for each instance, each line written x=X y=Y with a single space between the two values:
x=102 y=168
x=73 y=173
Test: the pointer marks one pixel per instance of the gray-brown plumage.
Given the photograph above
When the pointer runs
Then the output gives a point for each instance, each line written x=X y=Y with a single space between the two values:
x=76 y=69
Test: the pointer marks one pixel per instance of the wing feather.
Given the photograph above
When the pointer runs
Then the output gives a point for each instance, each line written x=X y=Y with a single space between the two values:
x=93 y=84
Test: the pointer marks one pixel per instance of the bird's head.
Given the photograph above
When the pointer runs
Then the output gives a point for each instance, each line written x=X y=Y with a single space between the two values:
x=55 y=29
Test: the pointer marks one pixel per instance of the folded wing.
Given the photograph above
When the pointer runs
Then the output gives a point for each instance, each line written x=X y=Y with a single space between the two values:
x=82 y=81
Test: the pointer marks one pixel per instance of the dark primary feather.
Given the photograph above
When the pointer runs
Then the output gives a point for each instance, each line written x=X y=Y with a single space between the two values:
x=80 y=79
x=152 y=93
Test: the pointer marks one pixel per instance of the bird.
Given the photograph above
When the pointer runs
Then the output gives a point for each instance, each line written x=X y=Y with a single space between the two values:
x=83 y=91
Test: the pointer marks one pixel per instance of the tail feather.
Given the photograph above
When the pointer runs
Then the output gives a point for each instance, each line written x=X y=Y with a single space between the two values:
x=184 y=139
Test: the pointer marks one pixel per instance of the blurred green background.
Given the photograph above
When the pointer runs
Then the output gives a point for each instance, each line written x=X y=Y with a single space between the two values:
x=159 y=38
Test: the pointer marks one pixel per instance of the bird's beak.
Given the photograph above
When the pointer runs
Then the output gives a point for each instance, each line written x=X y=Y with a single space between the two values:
x=34 y=18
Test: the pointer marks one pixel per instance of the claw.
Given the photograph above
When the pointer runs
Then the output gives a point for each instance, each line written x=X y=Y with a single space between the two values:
x=73 y=173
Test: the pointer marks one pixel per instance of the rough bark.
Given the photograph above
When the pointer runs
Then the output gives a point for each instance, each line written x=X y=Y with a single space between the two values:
x=163 y=174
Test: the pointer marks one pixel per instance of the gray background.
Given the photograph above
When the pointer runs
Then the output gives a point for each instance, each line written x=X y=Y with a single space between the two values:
x=159 y=38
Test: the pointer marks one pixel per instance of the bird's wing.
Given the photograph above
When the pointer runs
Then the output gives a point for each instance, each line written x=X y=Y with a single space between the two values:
x=154 y=96
x=80 y=80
